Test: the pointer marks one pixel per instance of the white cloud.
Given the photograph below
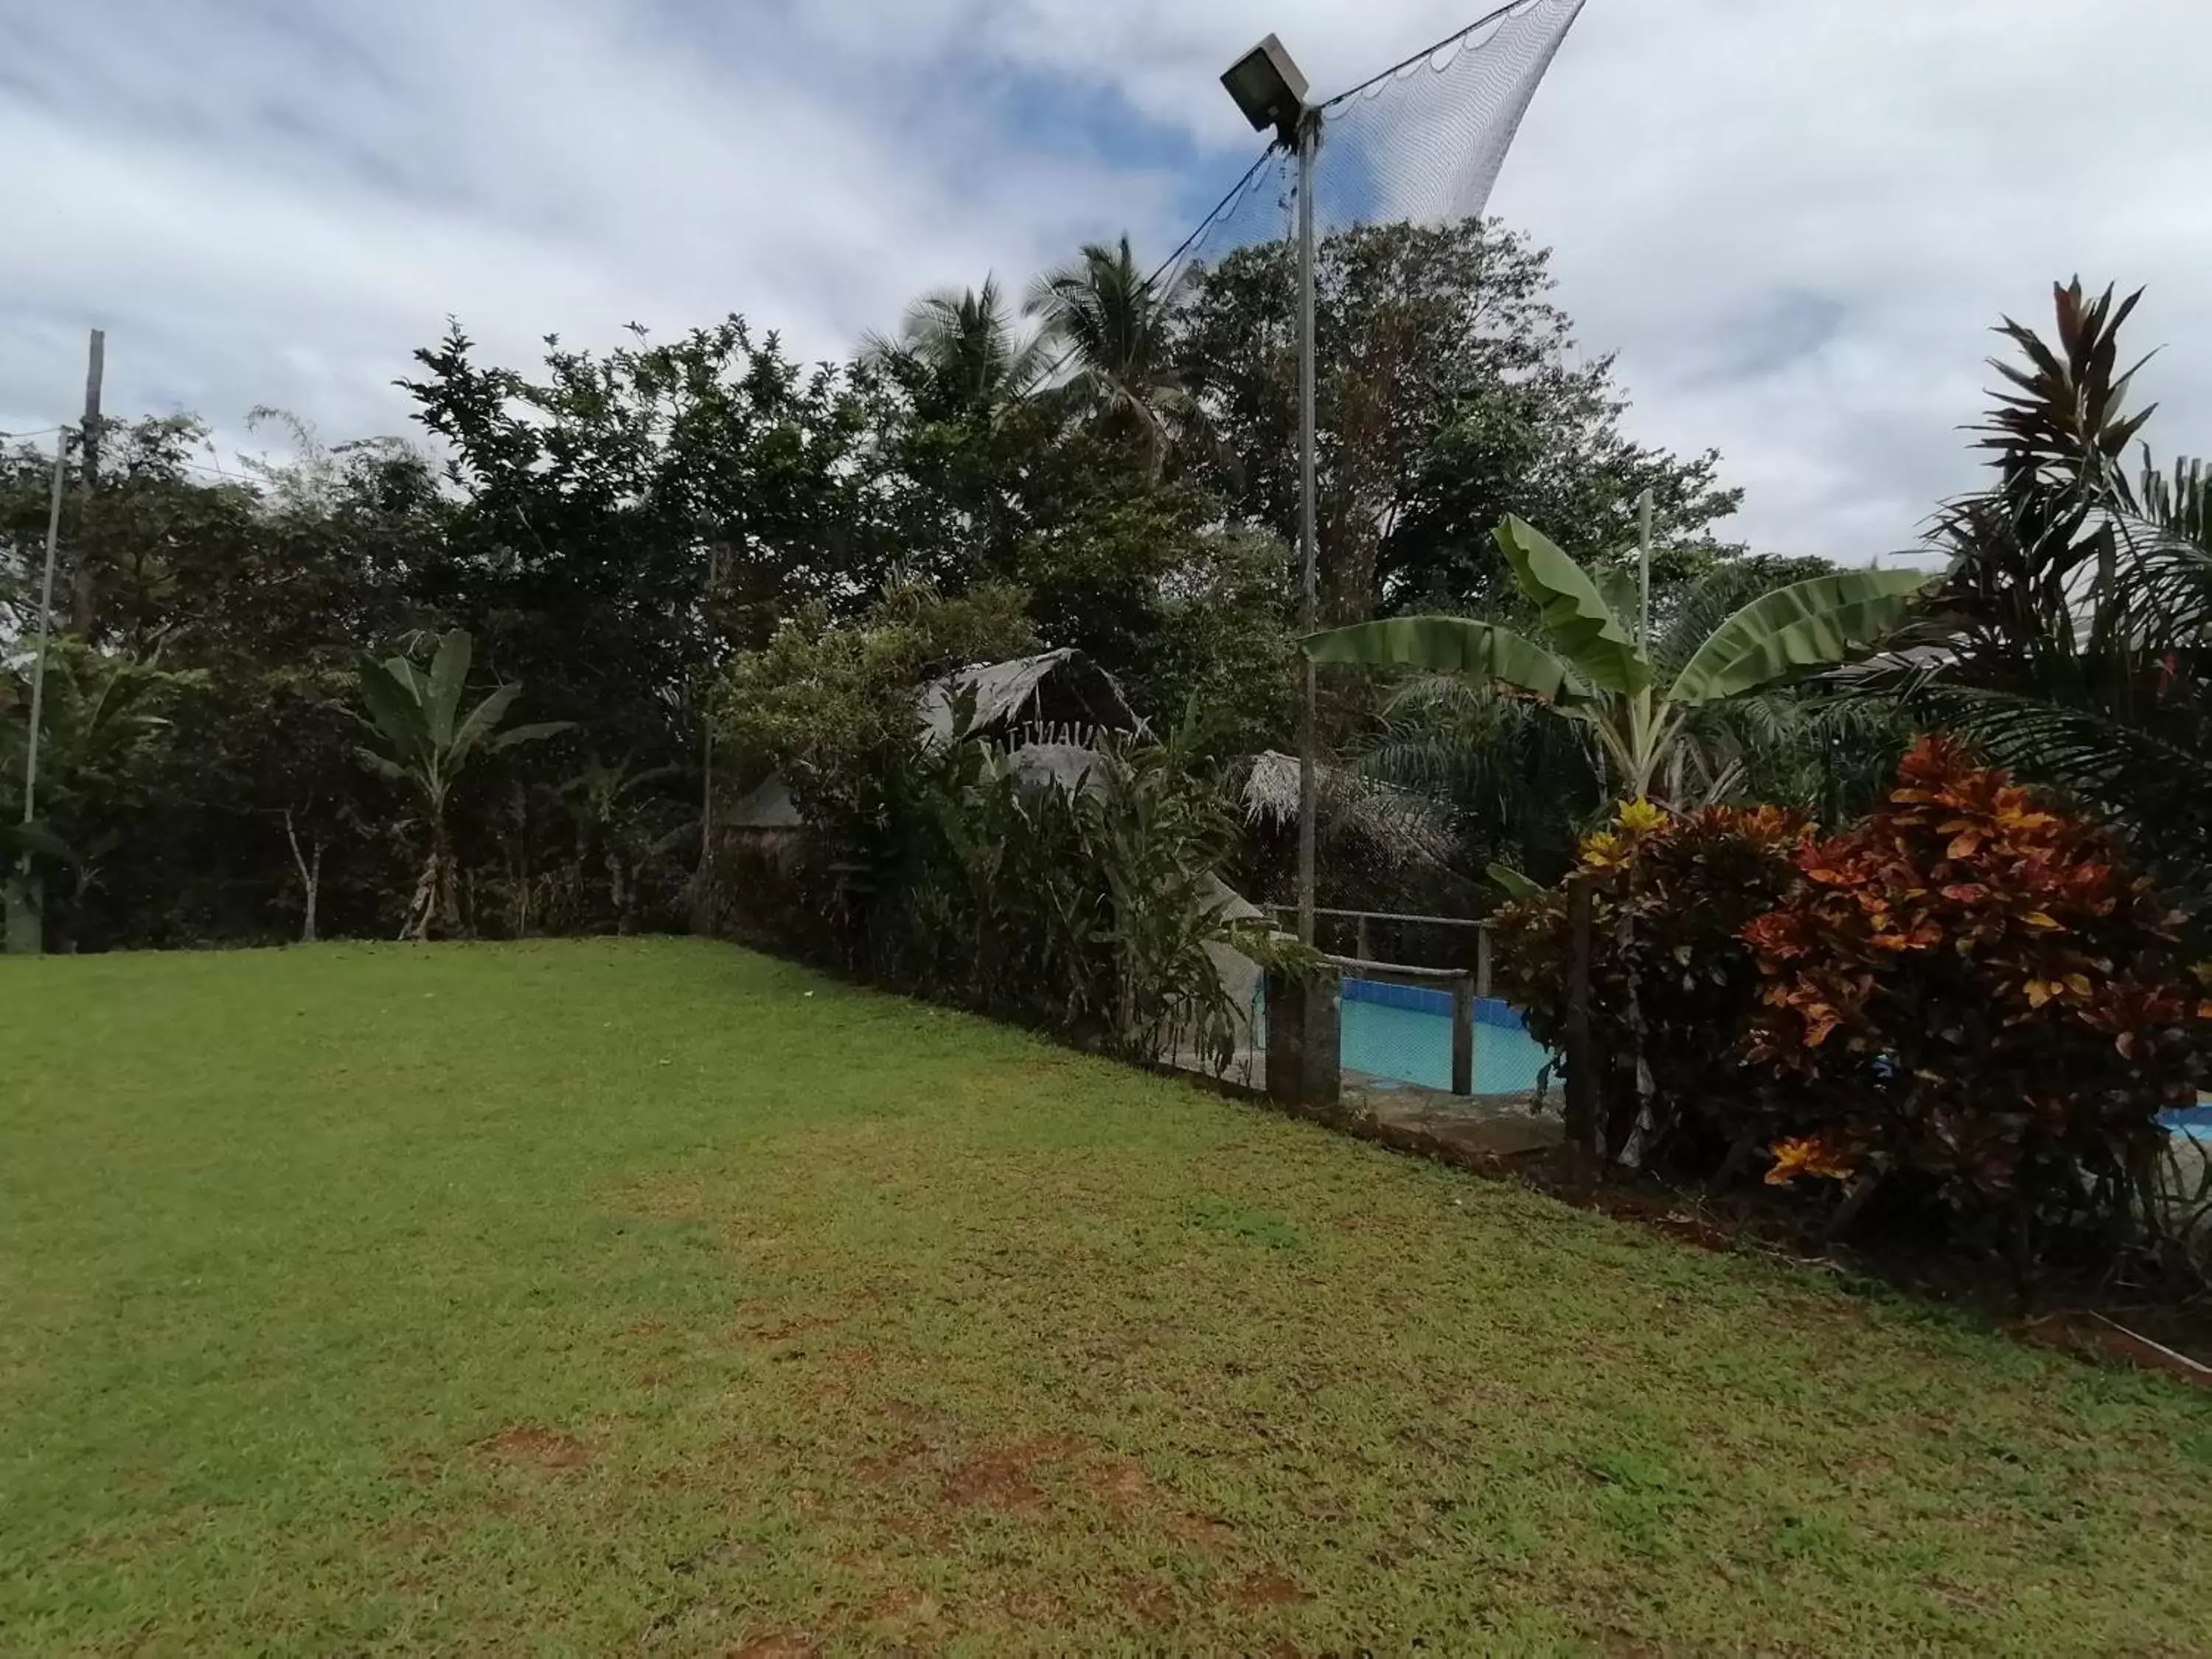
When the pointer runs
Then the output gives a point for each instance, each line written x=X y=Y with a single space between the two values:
x=278 y=207
x=1794 y=221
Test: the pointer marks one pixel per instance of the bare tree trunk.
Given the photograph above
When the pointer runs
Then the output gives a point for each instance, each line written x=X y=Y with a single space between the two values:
x=311 y=876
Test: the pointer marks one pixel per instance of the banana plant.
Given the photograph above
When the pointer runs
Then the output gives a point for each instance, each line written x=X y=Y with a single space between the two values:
x=1594 y=666
x=428 y=741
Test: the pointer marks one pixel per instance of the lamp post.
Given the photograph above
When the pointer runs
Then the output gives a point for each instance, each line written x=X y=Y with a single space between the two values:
x=1270 y=90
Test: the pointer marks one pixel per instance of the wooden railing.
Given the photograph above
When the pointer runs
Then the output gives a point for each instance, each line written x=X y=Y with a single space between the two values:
x=1364 y=956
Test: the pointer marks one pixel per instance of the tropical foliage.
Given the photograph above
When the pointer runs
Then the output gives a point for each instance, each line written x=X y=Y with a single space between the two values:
x=2076 y=640
x=1594 y=666
x=1672 y=984
x=1973 y=991
x=427 y=741
x=1111 y=328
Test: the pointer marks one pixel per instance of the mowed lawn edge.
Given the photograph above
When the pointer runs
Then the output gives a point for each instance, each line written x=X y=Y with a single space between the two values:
x=621 y=1294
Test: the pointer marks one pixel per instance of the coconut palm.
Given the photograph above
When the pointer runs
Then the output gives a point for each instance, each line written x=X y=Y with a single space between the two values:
x=418 y=716
x=1641 y=696
x=960 y=353
x=1108 y=323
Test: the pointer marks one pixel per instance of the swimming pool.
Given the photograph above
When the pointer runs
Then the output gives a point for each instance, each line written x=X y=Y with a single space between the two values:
x=1403 y=1032
x=2193 y=1121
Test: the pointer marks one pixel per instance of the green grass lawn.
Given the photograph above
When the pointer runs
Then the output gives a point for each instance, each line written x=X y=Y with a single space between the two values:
x=630 y=1296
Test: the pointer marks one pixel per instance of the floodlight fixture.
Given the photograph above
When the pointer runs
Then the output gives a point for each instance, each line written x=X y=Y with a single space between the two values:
x=1269 y=88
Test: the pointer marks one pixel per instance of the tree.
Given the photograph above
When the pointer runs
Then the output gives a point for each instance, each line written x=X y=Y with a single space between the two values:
x=960 y=354
x=429 y=741
x=2072 y=640
x=1112 y=327
x=1447 y=398
x=105 y=722
x=1598 y=669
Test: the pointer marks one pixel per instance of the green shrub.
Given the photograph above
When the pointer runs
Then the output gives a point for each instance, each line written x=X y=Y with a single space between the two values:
x=1970 y=994
x=1672 y=984
x=1085 y=904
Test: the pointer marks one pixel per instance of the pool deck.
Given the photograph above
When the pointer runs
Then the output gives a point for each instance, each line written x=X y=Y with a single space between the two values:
x=1476 y=1131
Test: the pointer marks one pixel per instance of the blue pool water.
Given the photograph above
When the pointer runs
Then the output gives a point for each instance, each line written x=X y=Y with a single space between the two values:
x=1404 y=1033
x=2194 y=1121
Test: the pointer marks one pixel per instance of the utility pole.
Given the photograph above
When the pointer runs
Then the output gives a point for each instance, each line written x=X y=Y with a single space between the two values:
x=1309 y=534
x=1270 y=91
x=702 y=877
x=26 y=923
x=81 y=588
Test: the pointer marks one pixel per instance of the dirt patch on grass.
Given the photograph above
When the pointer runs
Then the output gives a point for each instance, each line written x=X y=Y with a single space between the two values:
x=1002 y=1478
x=1153 y=1603
x=1120 y=1482
x=783 y=1330
x=1204 y=1530
x=902 y=1604
x=999 y=1480
x=529 y=1445
x=893 y=1464
x=923 y=1418
x=1268 y=1589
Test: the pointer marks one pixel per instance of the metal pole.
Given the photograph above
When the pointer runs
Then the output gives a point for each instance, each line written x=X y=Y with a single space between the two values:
x=1309 y=539
x=81 y=597
x=1644 y=569
x=38 y=662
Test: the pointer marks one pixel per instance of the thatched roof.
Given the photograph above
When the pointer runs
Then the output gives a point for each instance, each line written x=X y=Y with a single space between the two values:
x=1404 y=827
x=769 y=806
x=1049 y=709
x=1063 y=691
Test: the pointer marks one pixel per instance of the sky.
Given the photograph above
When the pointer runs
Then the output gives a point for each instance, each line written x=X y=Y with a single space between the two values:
x=1794 y=222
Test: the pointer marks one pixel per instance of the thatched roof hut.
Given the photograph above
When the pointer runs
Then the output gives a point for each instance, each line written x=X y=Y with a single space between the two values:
x=1059 y=696
x=1395 y=826
x=1051 y=710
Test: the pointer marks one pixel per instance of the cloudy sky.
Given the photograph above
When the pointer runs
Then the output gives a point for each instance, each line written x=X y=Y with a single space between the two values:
x=1793 y=222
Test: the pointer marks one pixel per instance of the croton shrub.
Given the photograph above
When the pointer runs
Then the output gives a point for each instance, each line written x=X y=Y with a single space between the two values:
x=1672 y=981
x=1968 y=999
x=1972 y=989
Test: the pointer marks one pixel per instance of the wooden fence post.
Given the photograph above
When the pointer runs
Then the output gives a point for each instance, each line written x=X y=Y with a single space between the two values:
x=1304 y=1037
x=1462 y=1062
x=1582 y=1093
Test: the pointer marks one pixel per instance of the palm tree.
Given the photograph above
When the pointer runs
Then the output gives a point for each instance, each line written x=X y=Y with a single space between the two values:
x=1110 y=324
x=1598 y=670
x=959 y=354
x=2073 y=640
x=418 y=716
